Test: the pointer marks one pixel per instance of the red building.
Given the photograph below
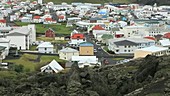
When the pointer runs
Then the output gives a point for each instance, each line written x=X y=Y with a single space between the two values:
x=50 y=33
x=77 y=36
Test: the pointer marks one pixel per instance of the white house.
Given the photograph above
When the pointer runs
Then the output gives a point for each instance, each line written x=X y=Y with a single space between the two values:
x=22 y=37
x=128 y=45
x=164 y=42
x=52 y=67
x=2 y=23
x=152 y=50
x=45 y=47
x=5 y=43
x=67 y=53
x=86 y=61
x=26 y=19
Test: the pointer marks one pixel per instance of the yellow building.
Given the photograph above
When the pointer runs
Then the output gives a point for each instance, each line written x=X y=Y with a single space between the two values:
x=86 y=48
x=152 y=50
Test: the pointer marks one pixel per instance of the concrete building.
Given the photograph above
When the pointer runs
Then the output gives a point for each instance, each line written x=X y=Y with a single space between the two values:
x=86 y=48
x=67 y=53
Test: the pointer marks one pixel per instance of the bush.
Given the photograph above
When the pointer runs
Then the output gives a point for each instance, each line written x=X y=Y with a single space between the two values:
x=18 y=68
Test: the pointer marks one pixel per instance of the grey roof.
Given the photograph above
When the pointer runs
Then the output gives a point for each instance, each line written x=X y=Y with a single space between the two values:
x=125 y=42
x=21 y=30
x=68 y=50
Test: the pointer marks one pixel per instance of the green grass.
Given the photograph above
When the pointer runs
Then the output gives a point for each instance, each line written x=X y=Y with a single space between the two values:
x=31 y=65
x=155 y=94
x=41 y=28
x=45 y=39
x=33 y=48
x=118 y=58
x=8 y=74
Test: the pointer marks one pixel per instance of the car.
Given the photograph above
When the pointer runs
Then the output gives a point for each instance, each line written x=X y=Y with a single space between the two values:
x=98 y=43
x=95 y=50
x=99 y=48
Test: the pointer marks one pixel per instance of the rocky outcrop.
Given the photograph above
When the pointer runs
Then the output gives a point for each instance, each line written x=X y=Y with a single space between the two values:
x=135 y=78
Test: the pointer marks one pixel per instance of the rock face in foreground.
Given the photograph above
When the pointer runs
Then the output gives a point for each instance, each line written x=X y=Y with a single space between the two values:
x=147 y=76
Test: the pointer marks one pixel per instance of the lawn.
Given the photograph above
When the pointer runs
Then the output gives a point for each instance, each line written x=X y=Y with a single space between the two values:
x=41 y=28
x=29 y=61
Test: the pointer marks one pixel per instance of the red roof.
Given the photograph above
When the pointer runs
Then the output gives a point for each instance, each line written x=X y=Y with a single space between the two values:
x=77 y=36
x=61 y=17
x=167 y=35
x=48 y=19
x=151 y=38
x=98 y=27
x=2 y=21
x=36 y=17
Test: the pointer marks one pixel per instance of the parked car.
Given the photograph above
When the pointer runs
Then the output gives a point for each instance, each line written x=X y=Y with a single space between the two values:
x=95 y=50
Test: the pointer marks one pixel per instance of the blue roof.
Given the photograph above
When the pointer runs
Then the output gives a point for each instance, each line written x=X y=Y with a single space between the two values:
x=86 y=44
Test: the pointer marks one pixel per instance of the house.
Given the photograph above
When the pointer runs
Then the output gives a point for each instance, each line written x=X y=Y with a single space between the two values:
x=37 y=19
x=67 y=53
x=164 y=43
x=61 y=18
x=52 y=67
x=22 y=37
x=26 y=19
x=50 y=33
x=49 y=21
x=86 y=48
x=128 y=45
x=152 y=50
x=2 y=23
x=83 y=61
x=76 y=39
x=5 y=43
x=45 y=47
x=2 y=53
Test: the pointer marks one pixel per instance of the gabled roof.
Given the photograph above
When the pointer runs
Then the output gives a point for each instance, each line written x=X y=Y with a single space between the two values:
x=2 y=21
x=45 y=45
x=167 y=35
x=68 y=50
x=86 y=44
x=61 y=17
x=98 y=27
x=125 y=42
x=20 y=31
x=36 y=17
x=77 y=36
x=150 y=38
x=48 y=19
x=54 y=65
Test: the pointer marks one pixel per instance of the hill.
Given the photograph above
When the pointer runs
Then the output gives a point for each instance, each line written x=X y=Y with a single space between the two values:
x=144 y=77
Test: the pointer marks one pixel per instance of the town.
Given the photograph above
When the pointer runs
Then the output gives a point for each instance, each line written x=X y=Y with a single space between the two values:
x=46 y=37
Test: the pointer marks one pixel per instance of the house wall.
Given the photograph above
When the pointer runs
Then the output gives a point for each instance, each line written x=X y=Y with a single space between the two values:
x=86 y=50
x=45 y=49
x=2 y=24
x=126 y=49
x=67 y=56
x=19 y=41
x=49 y=33
x=135 y=32
x=59 y=38
x=32 y=33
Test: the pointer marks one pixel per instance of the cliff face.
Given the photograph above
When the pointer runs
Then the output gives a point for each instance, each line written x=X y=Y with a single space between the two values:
x=147 y=76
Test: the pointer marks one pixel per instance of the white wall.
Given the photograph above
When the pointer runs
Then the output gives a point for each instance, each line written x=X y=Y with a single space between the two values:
x=33 y=33
x=67 y=56
x=18 y=41
x=48 y=50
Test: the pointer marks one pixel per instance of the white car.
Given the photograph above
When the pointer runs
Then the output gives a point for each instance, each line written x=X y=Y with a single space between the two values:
x=95 y=50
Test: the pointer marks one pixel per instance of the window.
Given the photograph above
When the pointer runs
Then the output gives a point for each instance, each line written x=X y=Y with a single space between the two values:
x=129 y=46
x=117 y=50
x=124 y=50
x=45 y=48
x=125 y=46
x=128 y=50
